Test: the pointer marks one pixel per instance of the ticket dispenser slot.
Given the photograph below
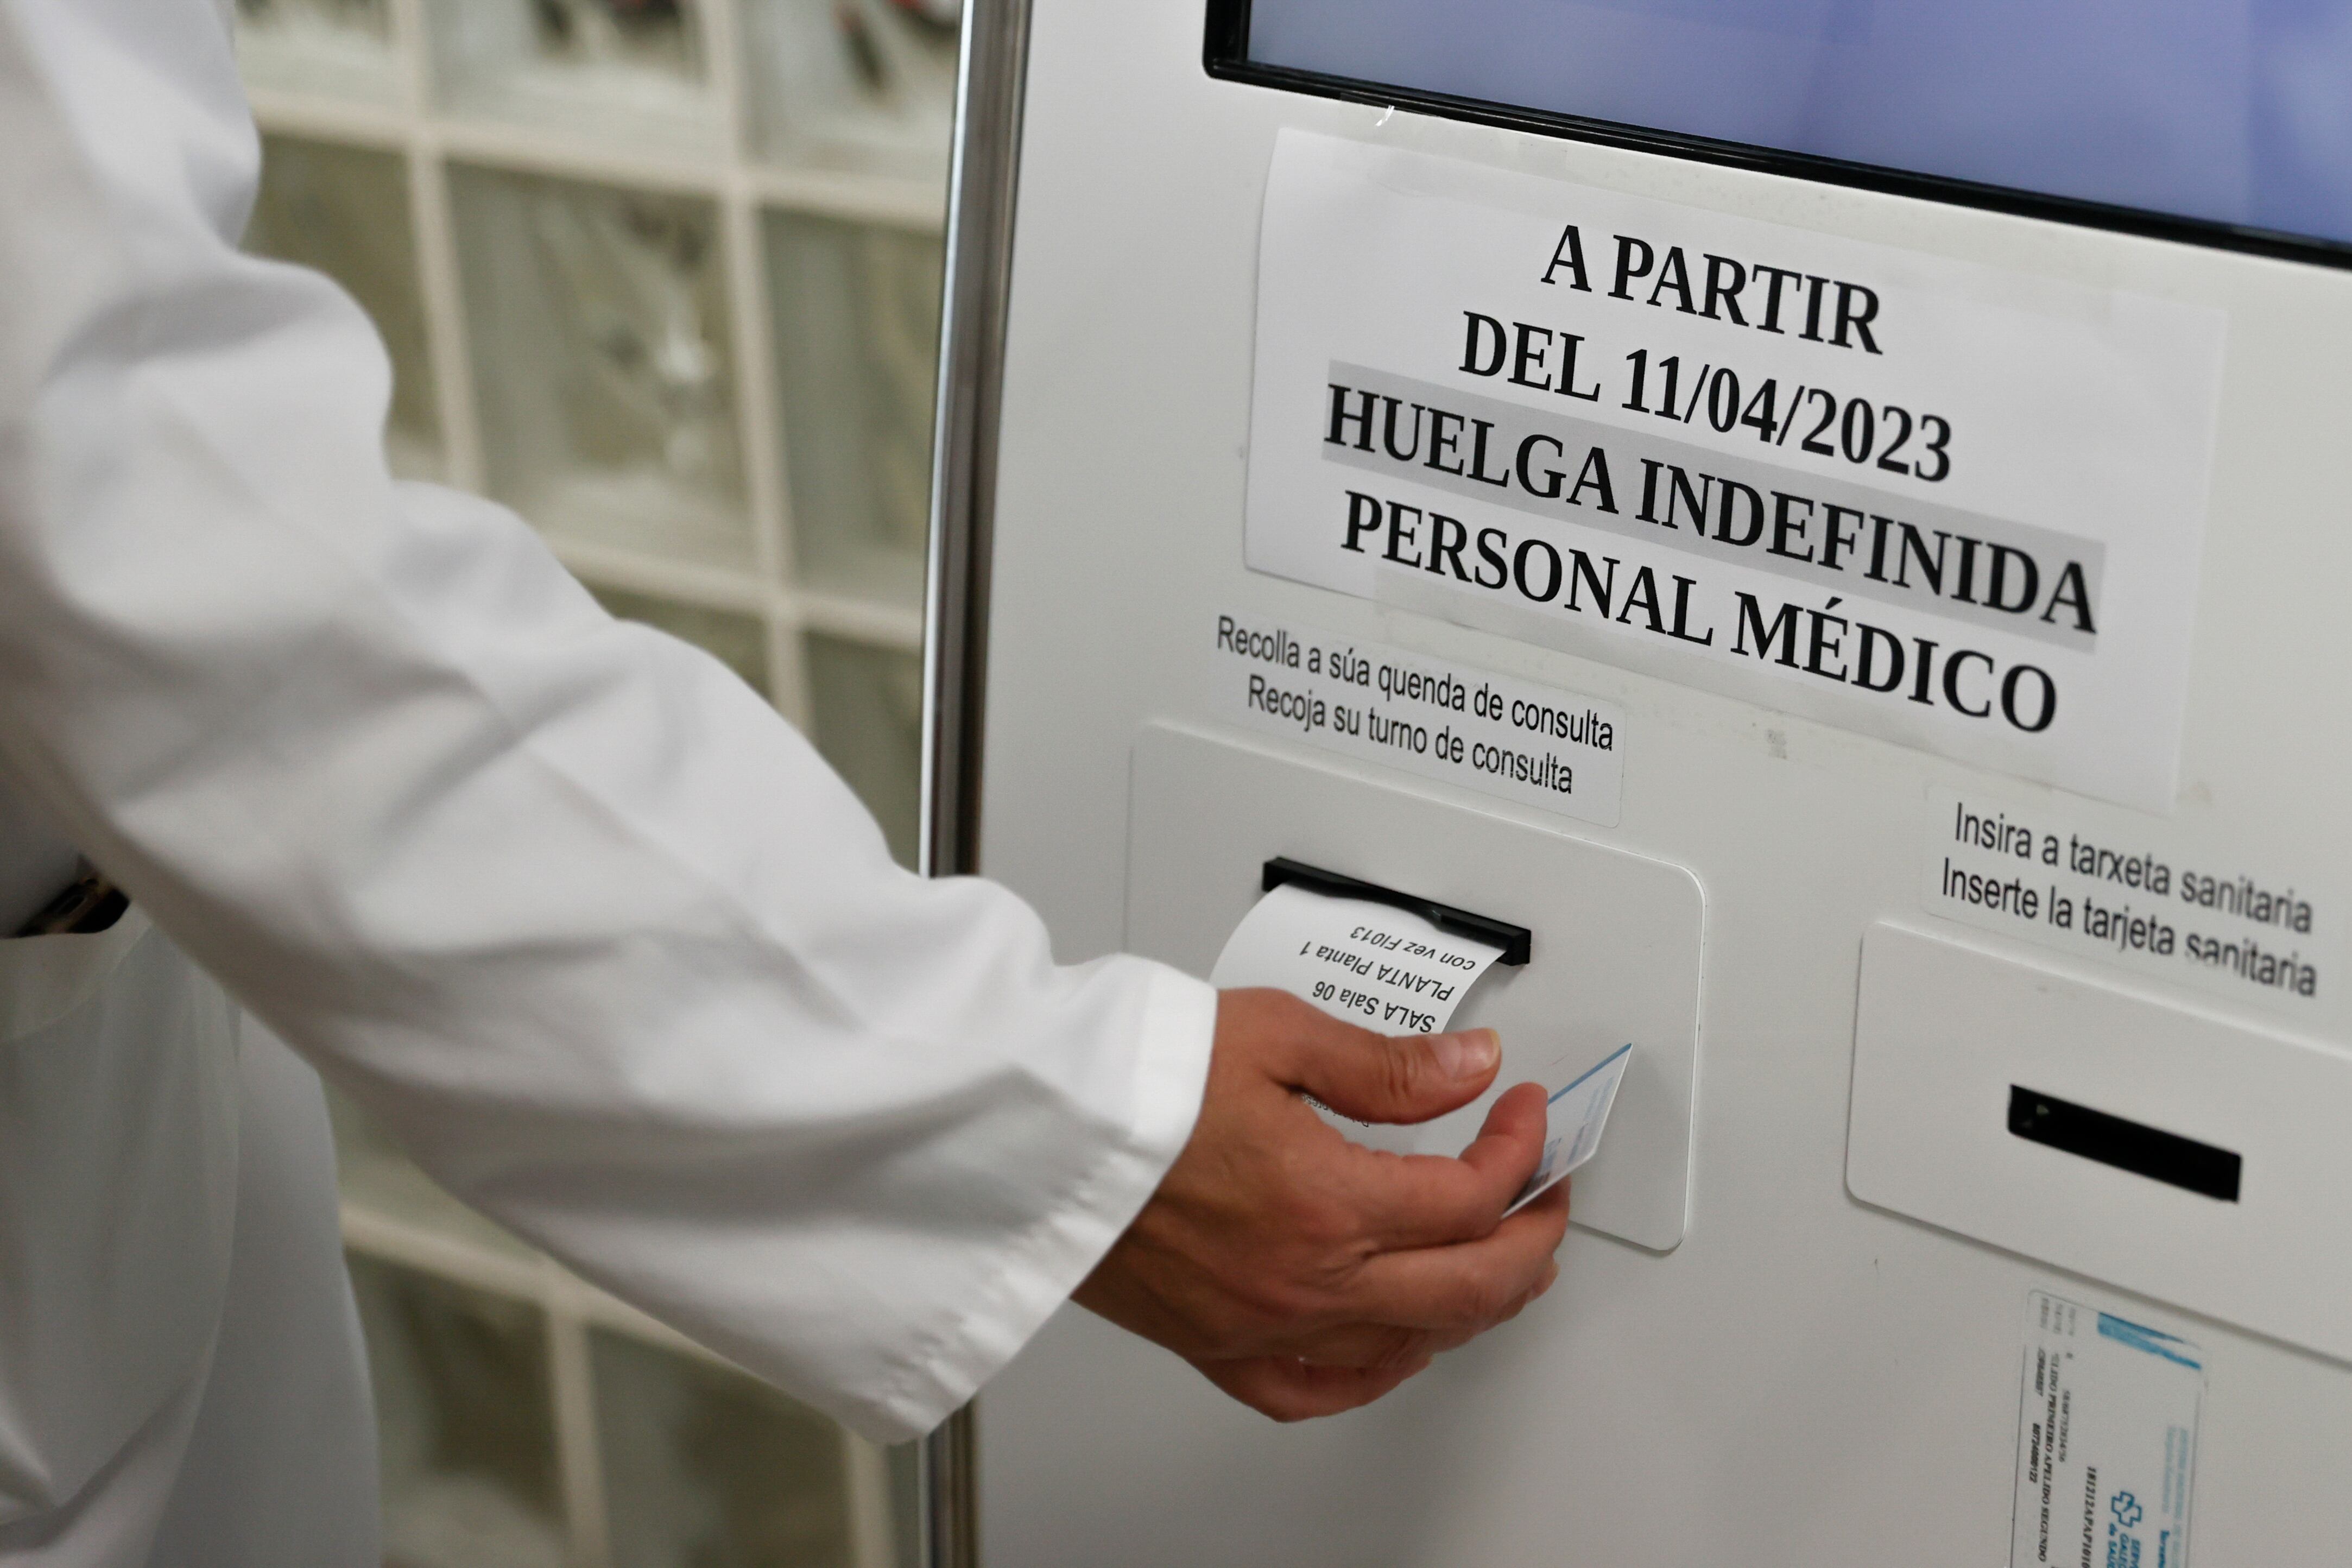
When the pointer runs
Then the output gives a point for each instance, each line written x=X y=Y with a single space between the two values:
x=1610 y=940
x=2143 y=1143
x=1518 y=942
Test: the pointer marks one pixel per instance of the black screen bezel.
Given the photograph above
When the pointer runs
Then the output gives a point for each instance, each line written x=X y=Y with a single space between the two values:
x=1225 y=54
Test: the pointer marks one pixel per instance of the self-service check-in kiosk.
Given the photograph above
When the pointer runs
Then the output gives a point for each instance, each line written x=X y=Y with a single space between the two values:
x=1830 y=518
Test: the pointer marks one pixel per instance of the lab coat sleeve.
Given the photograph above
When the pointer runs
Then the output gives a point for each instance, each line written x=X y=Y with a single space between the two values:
x=564 y=903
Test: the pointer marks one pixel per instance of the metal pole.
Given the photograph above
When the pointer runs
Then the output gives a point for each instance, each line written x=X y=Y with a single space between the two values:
x=980 y=199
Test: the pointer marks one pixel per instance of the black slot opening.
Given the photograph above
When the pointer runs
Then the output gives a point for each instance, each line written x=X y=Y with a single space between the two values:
x=1517 y=941
x=2131 y=1146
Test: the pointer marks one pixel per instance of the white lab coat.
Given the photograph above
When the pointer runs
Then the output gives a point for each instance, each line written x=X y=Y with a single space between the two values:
x=558 y=898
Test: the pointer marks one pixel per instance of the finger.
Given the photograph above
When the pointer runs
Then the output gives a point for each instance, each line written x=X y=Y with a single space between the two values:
x=1426 y=1200
x=1555 y=1197
x=1471 y=1285
x=1368 y=1347
x=1387 y=1078
x=1291 y=1390
x=1372 y=1346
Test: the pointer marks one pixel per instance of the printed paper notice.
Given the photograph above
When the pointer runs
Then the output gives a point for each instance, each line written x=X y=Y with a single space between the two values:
x=1514 y=739
x=1953 y=506
x=2106 y=1441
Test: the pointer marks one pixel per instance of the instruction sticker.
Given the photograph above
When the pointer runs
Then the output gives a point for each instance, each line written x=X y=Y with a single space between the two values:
x=2106 y=1441
x=1947 y=504
x=2131 y=894
x=1513 y=739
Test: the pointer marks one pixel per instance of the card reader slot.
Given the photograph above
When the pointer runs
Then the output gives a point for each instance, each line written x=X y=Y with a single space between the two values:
x=1517 y=941
x=2131 y=1146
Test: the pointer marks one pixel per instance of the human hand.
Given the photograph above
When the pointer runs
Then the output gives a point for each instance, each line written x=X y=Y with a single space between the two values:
x=1303 y=1273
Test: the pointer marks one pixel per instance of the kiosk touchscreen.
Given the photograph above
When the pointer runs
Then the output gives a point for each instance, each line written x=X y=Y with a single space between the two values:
x=1806 y=539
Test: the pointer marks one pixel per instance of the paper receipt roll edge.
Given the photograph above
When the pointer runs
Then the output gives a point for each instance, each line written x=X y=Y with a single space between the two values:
x=1393 y=970
x=1371 y=965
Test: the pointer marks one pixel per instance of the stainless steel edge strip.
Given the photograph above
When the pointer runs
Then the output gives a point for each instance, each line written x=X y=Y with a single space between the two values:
x=980 y=201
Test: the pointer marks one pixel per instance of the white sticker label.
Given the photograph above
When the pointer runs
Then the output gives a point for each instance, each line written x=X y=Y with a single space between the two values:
x=1514 y=739
x=2106 y=1441
x=2116 y=891
x=1952 y=506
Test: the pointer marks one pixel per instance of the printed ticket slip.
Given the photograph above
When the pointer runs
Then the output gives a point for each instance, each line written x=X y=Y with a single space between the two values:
x=1393 y=971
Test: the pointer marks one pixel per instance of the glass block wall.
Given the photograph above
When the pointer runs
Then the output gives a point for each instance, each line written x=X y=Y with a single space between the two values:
x=664 y=276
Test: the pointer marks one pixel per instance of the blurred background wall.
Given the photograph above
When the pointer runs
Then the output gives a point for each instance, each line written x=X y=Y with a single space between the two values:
x=664 y=276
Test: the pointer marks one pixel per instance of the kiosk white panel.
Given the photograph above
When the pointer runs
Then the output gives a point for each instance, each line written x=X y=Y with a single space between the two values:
x=1947 y=1037
x=1808 y=1377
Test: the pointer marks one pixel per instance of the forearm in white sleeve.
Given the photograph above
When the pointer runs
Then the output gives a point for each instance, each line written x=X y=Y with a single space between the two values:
x=564 y=903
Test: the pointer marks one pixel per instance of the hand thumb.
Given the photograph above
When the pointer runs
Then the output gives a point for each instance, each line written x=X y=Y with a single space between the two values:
x=1397 y=1077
